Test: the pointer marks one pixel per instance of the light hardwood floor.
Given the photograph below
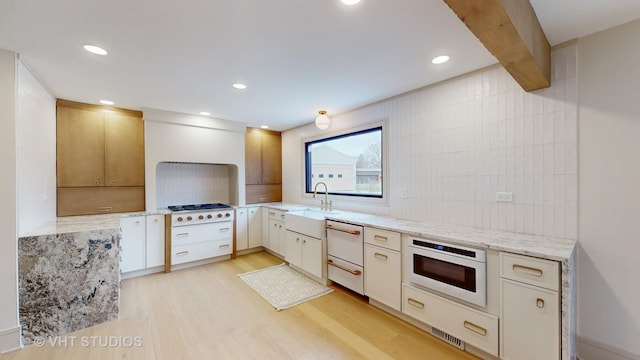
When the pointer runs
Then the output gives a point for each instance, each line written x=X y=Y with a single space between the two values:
x=207 y=312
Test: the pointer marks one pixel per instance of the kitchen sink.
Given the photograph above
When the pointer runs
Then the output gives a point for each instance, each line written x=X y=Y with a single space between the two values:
x=310 y=222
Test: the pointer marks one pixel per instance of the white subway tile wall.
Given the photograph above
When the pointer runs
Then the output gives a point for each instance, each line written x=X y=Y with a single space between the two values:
x=186 y=183
x=455 y=144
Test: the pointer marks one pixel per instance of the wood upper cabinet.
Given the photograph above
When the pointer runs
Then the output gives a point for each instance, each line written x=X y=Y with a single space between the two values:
x=80 y=147
x=100 y=159
x=263 y=166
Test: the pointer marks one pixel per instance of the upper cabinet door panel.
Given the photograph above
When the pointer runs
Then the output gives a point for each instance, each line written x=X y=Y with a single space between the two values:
x=253 y=158
x=80 y=129
x=124 y=150
x=272 y=159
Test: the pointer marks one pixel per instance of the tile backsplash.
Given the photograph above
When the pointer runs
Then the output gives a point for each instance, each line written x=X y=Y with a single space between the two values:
x=188 y=183
x=453 y=145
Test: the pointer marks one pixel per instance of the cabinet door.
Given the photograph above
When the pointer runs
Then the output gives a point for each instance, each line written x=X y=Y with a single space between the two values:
x=255 y=226
x=124 y=150
x=382 y=278
x=133 y=244
x=242 y=235
x=311 y=255
x=155 y=241
x=271 y=159
x=253 y=157
x=294 y=248
x=530 y=322
x=274 y=235
x=80 y=147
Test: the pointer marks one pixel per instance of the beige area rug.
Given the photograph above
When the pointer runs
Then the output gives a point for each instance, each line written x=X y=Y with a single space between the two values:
x=283 y=287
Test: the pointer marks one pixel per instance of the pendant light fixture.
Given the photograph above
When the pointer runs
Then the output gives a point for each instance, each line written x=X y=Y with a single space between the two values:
x=322 y=121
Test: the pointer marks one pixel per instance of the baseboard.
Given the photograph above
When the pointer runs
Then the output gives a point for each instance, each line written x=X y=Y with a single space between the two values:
x=10 y=340
x=589 y=349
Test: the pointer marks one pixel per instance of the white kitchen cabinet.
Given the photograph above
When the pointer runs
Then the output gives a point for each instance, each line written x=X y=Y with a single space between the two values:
x=277 y=242
x=155 y=241
x=304 y=252
x=133 y=243
x=530 y=308
x=242 y=230
x=254 y=226
x=383 y=275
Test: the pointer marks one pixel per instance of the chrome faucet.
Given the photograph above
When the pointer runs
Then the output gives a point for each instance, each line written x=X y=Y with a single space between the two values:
x=326 y=203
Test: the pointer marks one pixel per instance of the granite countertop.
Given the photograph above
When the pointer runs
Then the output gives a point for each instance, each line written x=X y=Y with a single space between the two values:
x=559 y=249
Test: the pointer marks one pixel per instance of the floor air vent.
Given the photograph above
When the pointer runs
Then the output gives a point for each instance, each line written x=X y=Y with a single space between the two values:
x=448 y=338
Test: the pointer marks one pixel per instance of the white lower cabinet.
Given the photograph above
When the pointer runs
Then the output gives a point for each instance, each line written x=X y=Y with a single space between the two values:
x=254 y=220
x=304 y=252
x=155 y=241
x=530 y=312
x=474 y=327
x=277 y=237
x=383 y=277
x=133 y=243
x=242 y=229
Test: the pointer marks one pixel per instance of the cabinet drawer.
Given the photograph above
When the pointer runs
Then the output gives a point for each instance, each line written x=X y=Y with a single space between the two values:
x=198 y=251
x=99 y=200
x=530 y=270
x=383 y=276
x=384 y=238
x=471 y=326
x=182 y=235
x=275 y=214
x=346 y=274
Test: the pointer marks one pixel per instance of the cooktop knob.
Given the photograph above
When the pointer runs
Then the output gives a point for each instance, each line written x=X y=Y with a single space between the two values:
x=227 y=215
x=180 y=219
x=201 y=217
x=219 y=215
x=209 y=216
x=189 y=218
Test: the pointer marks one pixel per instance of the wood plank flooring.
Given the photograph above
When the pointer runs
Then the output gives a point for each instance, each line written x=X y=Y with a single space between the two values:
x=207 y=312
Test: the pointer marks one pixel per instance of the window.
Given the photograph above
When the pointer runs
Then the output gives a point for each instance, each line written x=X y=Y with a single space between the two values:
x=355 y=157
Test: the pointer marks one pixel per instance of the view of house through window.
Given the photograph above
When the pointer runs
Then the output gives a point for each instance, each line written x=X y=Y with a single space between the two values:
x=349 y=164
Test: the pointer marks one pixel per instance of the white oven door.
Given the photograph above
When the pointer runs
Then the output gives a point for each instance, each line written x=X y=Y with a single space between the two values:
x=455 y=276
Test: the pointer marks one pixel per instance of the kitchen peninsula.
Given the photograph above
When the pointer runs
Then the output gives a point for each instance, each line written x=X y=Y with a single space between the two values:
x=69 y=275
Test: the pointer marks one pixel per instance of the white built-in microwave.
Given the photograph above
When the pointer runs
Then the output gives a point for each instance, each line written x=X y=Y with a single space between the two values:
x=457 y=271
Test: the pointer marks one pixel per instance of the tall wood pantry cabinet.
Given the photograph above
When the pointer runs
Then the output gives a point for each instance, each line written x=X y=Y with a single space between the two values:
x=100 y=159
x=263 y=166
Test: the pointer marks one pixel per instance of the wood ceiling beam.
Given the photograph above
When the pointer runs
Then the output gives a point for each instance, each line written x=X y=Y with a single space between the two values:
x=510 y=30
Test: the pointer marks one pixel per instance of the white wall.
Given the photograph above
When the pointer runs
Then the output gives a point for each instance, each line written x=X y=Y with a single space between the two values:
x=36 y=151
x=175 y=137
x=453 y=145
x=9 y=331
x=609 y=153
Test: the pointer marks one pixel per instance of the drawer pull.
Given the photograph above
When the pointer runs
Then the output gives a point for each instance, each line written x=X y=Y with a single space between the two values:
x=527 y=270
x=263 y=198
x=282 y=216
x=224 y=229
x=354 y=272
x=540 y=303
x=352 y=232
x=224 y=246
x=271 y=213
x=105 y=209
x=380 y=238
x=182 y=235
x=182 y=253
x=415 y=303
x=380 y=256
x=475 y=328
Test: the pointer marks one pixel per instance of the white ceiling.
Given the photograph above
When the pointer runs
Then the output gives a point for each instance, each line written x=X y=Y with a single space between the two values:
x=295 y=56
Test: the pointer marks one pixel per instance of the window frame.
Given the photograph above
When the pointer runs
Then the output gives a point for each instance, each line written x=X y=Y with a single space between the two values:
x=307 y=179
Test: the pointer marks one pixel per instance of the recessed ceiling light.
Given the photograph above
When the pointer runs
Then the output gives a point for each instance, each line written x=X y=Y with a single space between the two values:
x=350 y=2
x=205 y=113
x=264 y=126
x=106 y=102
x=440 y=59
x=239 y=86
x=95 y=49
